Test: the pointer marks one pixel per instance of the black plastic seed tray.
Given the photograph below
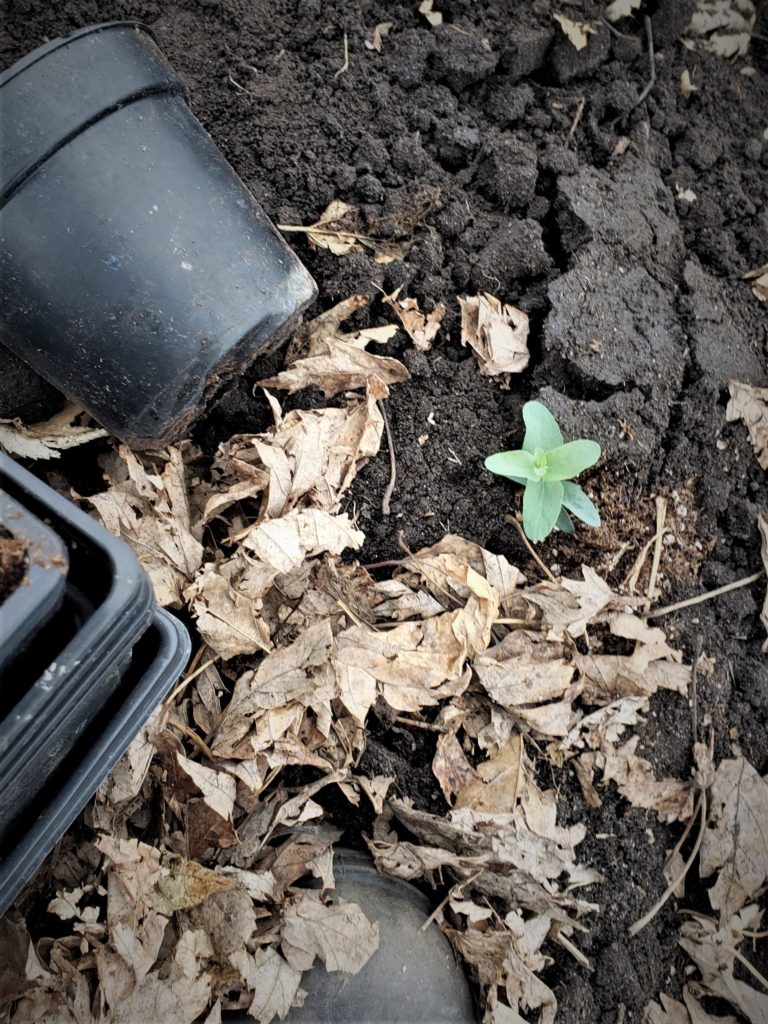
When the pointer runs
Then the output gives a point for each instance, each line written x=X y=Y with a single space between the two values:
x=158 y=660
x=53 y=691
x=41 y=590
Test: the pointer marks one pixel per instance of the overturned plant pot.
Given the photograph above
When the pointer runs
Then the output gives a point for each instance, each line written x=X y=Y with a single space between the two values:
x=413 y=975
x=136 y=270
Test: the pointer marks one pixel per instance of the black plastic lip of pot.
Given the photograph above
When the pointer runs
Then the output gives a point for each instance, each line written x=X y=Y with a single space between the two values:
x=158 y=660
x=108 y=605
x=24 y=161
x=41 y=592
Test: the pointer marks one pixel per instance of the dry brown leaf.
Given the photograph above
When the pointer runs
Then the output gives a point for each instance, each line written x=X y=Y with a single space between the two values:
x=271 y=979
x=606 y=725
x=420 y=327
x=577 y=32
x=218 y=788
x=151 y=512
x=496 y=781
x=227 y=620
x=736 y=841
x=451 y=767
x=523 y=670
x=335 y=361
x=671 y=799
x=433 y=17
x=280 y=545
x=336 y=229
x=497 y=333
x=762 y=525
x=284 y=677
x=443 y=565
x=722 y=27
x=670 y=1012
x=751 y=406
x=47 y=440
x=759 y=279
x=572 y=605
x=713 y=950
x=409 y=664
x=374 y=42
x=338 y=933
x=621 y=9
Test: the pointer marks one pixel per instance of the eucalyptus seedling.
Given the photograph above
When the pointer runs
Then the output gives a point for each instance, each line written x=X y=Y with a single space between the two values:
x=545 y=466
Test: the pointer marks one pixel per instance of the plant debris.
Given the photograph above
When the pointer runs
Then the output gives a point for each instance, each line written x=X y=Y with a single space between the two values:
x=750 y=405
x=497 y=333
x=577 y=32
x=67 y=429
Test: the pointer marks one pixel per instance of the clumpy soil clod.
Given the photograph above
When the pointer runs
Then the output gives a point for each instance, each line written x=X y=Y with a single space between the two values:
x=638 y=311
x=13 y=563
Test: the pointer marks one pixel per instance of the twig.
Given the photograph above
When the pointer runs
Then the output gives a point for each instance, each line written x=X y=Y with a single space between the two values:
x=577 y=118
x=345 y=66
x=188 y=679
x=240 y=88
x=694 y=691
x=199 y=743
x=389 y=563
x=569 y=947
x=647 y=918
x=743 y=960
x=661 y=518
x=416 y=724
x=652 y=62
x=385 y=506
x=615 y=31
x=524 y=539
x=630 y=580
x=736 y=585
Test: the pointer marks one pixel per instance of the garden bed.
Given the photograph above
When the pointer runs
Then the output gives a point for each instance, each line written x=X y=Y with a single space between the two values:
x=500 y=159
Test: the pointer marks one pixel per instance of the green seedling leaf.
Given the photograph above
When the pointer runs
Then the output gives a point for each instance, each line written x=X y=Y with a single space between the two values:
x=577 y=502
x=564 y=522
x=541 y=429
x=517 y=464
x=541 y=507
x=571 y=459
x=544 y=467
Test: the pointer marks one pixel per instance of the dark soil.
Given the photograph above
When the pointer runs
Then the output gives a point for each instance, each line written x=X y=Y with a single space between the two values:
x=639 y=316
x=13 y=563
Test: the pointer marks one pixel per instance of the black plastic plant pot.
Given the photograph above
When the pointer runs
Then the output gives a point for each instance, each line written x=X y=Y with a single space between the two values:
x=40 y=591
x=52 y=692
x=413 y=976
x=158 y=660
x=137 y=272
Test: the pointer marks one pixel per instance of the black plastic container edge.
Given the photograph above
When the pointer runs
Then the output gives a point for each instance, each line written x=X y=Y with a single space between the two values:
x=106 y=742
x=47 y=720
x=39 y=594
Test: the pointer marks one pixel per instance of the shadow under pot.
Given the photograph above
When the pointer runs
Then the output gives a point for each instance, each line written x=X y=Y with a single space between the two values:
x=137 y=272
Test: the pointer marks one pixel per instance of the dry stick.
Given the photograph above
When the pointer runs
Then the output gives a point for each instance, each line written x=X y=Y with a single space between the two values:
x=524 y=539
x=630 y=580
x=647 y=918
x=188 y=679
x=661 y=518
x=652 y=61
x=694 y=691
x=416 y=724
x=200 y=743
x=345 y=66
x=385 y=508
x=577 y=118
x=736 y=585
x=743 y=960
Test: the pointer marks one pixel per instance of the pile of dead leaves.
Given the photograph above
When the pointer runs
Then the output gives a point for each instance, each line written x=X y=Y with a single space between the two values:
x=188 y=900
